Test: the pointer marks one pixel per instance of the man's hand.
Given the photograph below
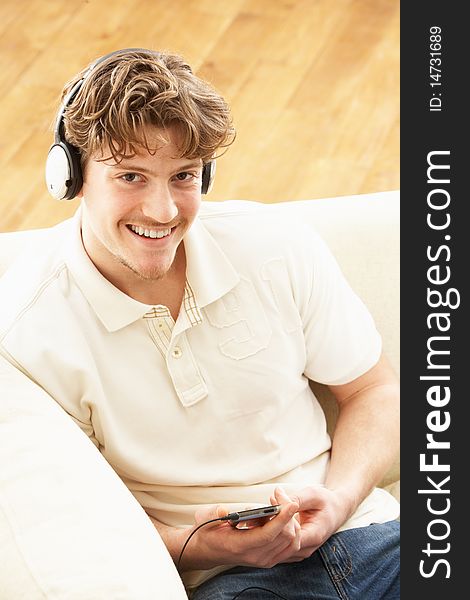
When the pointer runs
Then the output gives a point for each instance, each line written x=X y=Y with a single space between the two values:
x=321 y=513
x=221 y=544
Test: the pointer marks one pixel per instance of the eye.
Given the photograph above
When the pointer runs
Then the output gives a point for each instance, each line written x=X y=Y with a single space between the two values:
x=185 y=176
x=131 y=177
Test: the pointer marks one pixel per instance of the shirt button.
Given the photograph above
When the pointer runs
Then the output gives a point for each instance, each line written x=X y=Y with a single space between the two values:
x=177 y=352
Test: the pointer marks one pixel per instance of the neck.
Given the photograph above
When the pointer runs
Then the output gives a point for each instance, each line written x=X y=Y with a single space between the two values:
x=167 y=290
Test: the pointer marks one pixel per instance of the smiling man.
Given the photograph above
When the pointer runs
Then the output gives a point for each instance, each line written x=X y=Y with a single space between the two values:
x=181 y=337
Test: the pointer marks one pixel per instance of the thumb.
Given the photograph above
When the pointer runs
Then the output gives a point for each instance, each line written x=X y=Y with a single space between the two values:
x=289 y=505
x=214 y=511
x=281 y=497
x=309 y=497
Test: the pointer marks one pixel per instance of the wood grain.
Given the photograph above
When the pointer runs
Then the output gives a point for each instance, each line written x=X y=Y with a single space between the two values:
x=313 y=86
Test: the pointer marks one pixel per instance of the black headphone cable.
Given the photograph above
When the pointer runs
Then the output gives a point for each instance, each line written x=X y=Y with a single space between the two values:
x=229 y=517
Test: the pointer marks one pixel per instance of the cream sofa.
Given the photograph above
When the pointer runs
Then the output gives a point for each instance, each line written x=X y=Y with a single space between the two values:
x=69 y=528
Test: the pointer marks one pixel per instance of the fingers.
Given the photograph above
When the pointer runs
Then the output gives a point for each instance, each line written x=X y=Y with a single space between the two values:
x=281 y=497
x=283 y=530
x=286 y=542
x=284 y=517
x=299 y=547
x=292 y=537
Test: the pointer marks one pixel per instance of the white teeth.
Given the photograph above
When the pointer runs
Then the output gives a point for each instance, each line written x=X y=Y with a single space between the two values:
x=151 y=233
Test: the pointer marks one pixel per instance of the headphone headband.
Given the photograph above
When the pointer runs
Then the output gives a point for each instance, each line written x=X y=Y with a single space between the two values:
x=64 y=178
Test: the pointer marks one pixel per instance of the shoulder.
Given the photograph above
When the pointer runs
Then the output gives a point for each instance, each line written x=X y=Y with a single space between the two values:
x=233 y=213
x=37 y=268
x=258 y=227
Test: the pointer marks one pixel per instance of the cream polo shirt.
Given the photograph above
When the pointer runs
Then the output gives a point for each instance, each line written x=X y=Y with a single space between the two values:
x=215 y=408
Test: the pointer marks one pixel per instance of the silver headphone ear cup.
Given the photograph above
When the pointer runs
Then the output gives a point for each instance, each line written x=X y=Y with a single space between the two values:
x=63 y=171
x=57 y=172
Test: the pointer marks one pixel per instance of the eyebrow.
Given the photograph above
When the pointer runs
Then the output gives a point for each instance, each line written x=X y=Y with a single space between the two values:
x=135 y=167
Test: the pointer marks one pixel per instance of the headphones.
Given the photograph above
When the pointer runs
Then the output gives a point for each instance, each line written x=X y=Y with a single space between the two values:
x=64 y=178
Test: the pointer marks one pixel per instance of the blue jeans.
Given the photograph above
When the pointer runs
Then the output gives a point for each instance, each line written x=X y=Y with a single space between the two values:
x=357 y=564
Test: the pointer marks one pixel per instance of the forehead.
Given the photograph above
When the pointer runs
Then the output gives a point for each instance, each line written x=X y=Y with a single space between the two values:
x=153 y=145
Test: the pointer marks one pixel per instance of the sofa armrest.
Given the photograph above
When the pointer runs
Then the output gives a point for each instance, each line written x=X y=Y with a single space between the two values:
x=12 y=243
x=69 y=528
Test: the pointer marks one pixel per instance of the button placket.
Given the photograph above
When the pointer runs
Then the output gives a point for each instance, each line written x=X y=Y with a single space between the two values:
x=184 y=371
x=160 y=326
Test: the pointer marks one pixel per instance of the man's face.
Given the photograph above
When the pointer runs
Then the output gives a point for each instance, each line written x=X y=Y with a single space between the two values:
x=136 y=212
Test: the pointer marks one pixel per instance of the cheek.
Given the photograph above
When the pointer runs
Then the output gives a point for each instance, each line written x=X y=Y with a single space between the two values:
x=105 y=206
x=190 y=205
x=101 y=219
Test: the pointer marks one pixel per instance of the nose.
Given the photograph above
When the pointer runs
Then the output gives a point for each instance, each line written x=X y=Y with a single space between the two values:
x=159 y=205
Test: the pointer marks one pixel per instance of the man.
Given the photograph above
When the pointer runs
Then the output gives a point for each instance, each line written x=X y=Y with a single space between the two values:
x=181 y=338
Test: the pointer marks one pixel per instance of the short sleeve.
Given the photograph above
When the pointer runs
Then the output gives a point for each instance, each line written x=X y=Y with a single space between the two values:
x=341 y=339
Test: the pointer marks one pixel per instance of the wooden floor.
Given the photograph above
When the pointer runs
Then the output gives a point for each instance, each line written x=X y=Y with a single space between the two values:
x=313 y=85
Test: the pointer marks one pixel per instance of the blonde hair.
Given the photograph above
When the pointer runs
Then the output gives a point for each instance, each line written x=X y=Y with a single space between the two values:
x=125 y=93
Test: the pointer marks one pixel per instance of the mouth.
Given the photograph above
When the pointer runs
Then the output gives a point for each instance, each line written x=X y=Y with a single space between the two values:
x=149 y=233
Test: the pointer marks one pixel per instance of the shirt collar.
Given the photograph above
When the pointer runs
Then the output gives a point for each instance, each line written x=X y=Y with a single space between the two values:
x=208 y=269
x=114 y=308
x=208 y=272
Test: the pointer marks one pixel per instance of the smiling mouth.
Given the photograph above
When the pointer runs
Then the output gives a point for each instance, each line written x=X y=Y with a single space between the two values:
x=150 y=233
